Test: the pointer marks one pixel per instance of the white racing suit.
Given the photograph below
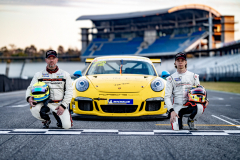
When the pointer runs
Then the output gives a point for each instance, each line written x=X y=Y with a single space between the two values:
x=61 y=93
x=178 y=85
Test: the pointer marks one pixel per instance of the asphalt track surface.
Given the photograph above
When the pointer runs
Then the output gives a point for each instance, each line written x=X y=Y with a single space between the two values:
x=217 y=137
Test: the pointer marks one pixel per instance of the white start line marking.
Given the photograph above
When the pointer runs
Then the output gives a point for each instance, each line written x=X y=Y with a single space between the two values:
x=108 y=132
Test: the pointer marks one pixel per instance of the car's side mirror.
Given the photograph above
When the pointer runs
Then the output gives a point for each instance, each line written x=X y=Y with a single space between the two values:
x=77 y=73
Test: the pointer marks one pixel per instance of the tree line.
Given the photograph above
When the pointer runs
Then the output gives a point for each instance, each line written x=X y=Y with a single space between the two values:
x=32 y=51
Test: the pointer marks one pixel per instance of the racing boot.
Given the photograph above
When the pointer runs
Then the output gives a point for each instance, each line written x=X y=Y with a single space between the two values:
x=46 y=124
x=59 y=122
x=180 y=123
x=191 y=124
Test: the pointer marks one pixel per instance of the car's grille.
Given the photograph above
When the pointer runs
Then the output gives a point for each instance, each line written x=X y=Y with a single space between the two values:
x=153 y=105
x=85 y=105
x=119 y=108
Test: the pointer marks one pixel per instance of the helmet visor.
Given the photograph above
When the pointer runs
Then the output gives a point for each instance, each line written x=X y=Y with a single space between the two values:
x=38 y=90
x=198 y=92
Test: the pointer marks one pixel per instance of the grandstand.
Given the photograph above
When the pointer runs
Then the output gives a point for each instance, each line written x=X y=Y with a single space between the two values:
x=157 y=33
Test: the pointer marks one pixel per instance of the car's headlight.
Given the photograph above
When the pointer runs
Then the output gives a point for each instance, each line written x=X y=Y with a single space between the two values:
x=82 y=85
x=157 y=85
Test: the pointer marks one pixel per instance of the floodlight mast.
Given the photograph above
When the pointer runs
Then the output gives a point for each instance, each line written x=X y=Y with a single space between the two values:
x=210 y=32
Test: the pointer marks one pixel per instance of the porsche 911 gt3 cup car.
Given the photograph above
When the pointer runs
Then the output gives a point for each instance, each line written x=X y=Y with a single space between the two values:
x=119 y=86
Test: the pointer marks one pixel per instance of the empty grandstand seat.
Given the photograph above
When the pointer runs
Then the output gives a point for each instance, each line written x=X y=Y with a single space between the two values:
x=177 y=44
x=120 y=39
x=180 y=35
x=100 y=40
x=197 y=33
x=137 y=39
x=92 y=47
x=119 y=48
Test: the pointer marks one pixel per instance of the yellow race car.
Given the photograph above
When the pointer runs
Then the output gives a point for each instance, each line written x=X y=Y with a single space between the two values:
x=119 y=86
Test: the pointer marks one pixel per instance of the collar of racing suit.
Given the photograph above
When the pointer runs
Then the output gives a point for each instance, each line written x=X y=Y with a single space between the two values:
x=183 y=72
x=52 y=71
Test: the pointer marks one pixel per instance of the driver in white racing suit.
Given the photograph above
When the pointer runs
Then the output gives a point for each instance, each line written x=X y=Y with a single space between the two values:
x=177 y=85
x=61 y=92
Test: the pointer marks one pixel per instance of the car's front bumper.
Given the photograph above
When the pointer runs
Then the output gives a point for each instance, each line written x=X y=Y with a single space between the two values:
x=100 y=106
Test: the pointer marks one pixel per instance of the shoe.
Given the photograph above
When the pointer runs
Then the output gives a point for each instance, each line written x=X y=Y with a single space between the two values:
x=59 y=125
x=180 y=124
x=46 y=124
x=191 y=124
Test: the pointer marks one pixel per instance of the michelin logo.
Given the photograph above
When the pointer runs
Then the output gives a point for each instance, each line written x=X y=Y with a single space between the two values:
x=120 y=101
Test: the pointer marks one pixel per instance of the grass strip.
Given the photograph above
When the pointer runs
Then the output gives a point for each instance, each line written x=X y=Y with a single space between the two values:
x=233 y=87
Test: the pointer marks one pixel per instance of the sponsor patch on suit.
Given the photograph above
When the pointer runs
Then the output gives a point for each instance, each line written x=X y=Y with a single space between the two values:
x=177 y=79
x=45 y=75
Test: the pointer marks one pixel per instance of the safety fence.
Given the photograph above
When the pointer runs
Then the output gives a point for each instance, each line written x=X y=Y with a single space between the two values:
x=13 y=84
x=229 y=72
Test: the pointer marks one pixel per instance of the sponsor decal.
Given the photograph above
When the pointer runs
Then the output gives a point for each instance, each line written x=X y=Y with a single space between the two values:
x=120 y=101
x=183 y=84
x=120 y=84
x=52 y=79
x=45 y=75
x=177 y=79
x=56 y=83
x=59 y=76
x=99 y=63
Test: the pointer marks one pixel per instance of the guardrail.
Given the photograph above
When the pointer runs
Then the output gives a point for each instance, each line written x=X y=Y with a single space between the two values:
x=13 y=84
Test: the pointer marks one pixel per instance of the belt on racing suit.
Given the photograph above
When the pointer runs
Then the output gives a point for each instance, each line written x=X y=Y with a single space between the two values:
x=55 y=101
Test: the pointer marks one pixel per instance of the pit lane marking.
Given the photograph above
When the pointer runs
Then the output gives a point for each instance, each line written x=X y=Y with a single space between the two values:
x=234 y=120
x=225 y=121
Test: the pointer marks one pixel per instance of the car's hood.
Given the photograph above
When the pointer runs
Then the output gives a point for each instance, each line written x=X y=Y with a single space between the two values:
x=120 y=83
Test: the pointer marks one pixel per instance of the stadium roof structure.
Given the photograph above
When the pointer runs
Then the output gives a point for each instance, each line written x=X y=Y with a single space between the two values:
x=149 y=13
x=156 y=33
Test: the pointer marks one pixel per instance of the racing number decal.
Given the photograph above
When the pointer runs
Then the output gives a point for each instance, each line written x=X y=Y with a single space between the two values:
x=99 y=63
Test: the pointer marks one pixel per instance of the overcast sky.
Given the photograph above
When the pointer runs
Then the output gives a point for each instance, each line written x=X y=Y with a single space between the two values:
x=50 y=23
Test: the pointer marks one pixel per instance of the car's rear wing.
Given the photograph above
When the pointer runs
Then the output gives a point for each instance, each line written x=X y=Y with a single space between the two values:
x=155 y=60
x=89 y=60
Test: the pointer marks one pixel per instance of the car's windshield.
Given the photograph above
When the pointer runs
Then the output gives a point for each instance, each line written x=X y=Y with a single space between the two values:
x=121 y=67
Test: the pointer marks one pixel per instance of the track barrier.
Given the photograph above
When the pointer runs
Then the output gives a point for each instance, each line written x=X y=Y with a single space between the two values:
x=13 y=84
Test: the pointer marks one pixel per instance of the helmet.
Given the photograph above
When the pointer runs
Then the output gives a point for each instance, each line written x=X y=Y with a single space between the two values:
x=40 y=91
x=165 y=74
x=197 y=94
